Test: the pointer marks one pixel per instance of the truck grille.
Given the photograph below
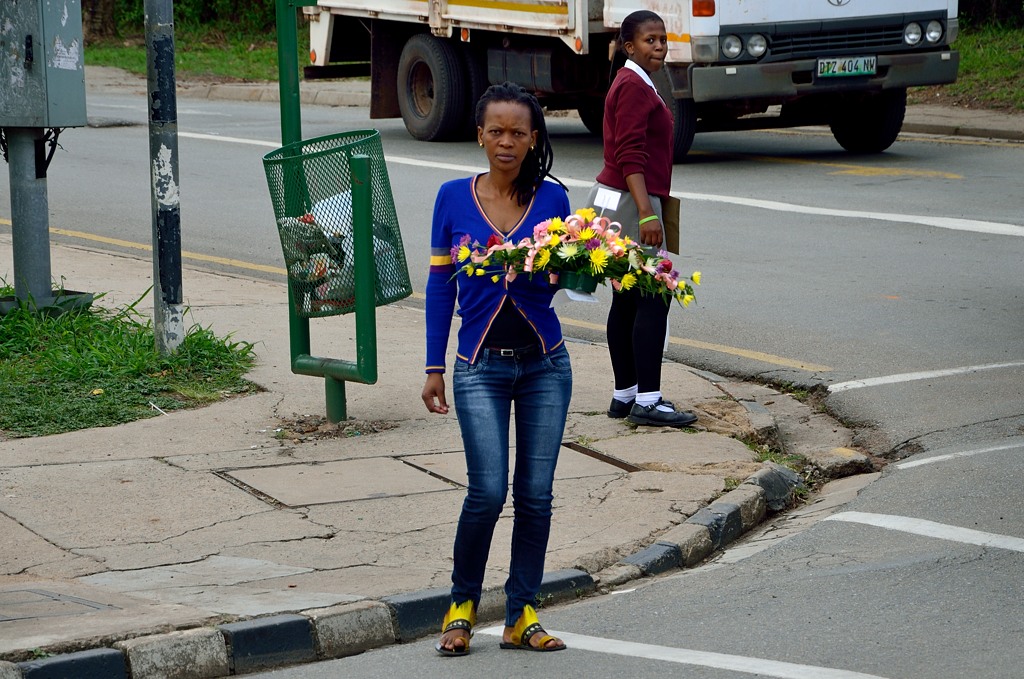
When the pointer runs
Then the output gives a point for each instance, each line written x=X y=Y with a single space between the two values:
x=830 y=42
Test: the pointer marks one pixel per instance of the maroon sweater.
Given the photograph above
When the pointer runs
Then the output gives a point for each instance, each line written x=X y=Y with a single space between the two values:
x=637 y=135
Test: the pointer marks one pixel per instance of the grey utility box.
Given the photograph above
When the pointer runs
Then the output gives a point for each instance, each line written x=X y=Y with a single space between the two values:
x=42 y=64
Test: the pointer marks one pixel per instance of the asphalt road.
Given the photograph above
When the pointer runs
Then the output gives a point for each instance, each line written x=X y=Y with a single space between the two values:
x=892 y=280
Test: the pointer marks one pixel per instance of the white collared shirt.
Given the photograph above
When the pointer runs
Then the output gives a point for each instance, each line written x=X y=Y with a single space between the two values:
x=633 y=66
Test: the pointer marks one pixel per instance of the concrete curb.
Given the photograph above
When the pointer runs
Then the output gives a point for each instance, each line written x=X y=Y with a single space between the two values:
x=951 y=130
x=348 y=629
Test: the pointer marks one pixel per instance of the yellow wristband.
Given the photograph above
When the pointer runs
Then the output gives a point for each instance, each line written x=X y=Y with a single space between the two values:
x=648 y=219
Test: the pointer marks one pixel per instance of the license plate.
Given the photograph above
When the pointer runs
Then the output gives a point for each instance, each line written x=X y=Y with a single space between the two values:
x=842 y=67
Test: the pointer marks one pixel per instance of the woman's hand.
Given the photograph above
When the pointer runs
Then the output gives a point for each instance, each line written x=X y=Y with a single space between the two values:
x=650 y=232
x=433 y=394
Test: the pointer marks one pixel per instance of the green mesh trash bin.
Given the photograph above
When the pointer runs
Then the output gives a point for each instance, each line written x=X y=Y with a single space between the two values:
x=311 y=188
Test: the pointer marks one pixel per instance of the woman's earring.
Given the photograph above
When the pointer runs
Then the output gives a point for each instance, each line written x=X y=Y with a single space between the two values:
x=481 y=144
x=533 y=147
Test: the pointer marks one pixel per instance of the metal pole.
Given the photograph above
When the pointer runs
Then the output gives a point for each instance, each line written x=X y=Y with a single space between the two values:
x=366 y=268
x=168 y=324
x=29 y=216
x=291 y=132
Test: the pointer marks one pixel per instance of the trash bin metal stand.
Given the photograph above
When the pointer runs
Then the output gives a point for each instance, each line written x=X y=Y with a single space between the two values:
x=364 y=369
x=335 y=371
x=291 y=131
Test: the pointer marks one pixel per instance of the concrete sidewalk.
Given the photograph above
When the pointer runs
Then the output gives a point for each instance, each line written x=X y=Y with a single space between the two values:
x=112 y=538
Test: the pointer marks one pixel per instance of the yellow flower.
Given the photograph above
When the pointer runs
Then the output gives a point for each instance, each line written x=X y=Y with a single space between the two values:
x=542 y=259
x=463 y=253
x=479 y=272
x=556 y=226
x=598 y=259
x=486 y=262
x=628 y=281
x=695 y=278
x=555 y=240
x=494 y=278
x=687 y=299
x=470 y=269
x=588 y=213
x=586 y=234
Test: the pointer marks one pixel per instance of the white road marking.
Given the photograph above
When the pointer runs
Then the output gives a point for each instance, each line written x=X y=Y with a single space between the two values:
x=682 y=656
x=924 y=375
x=932 y=529
x=962 y=453
x=231 y=140
x=952 y=223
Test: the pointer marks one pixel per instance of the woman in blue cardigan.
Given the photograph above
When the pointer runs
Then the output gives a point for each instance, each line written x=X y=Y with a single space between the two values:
x=510 y=351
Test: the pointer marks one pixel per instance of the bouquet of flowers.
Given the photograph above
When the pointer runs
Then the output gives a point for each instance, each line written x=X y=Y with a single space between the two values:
x=578 y=252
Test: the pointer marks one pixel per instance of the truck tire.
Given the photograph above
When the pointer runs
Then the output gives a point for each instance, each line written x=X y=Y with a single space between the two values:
x=685 y=114
x=474 y=63
x=592 y=114
x=871 y=123
x=430 y=93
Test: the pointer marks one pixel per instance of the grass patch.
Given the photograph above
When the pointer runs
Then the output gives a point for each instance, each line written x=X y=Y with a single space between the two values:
x=991 y=70
x=96 y=367
x=202 y=53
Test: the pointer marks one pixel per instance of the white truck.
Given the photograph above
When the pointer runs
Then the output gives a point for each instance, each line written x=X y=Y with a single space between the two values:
x=731 y=64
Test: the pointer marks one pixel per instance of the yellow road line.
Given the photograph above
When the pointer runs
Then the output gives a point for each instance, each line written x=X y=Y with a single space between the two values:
x=720 y=348
x=239 y=264
x=908 y=136
x=843 y=168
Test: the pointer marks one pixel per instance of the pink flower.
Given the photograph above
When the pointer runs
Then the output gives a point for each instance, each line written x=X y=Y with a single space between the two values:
x=528 y=264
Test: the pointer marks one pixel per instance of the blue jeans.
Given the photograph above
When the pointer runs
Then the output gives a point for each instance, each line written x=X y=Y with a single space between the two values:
x=540 y=386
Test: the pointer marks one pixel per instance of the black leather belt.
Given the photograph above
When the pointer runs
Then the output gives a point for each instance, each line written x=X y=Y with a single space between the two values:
x=520 y=352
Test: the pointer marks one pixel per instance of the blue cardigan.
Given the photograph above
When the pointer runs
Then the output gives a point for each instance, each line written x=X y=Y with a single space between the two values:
x=456 y=214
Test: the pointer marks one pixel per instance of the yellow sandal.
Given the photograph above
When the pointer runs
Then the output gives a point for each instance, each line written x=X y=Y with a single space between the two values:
x=528 y=627
x=459 y=616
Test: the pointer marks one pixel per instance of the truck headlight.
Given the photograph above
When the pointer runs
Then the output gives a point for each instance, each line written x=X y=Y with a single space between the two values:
x=912 y=33
x=732 y=46
x=933 y=32
x=757 y=45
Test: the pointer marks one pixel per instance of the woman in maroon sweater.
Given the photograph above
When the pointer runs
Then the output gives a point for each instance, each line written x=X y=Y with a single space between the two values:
x=638 y=170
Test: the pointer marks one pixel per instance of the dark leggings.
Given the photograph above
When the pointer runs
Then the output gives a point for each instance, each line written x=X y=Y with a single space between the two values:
x=636 y=338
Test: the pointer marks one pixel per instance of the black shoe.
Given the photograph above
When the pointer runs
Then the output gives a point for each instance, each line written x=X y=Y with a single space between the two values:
x=650 y=415
x=618 y=410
